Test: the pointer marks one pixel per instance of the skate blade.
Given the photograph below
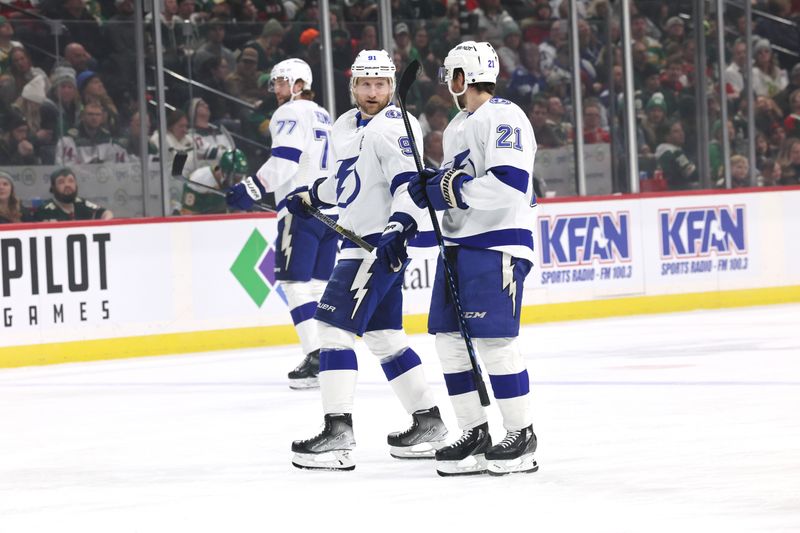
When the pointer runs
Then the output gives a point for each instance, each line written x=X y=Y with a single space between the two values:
x=304 y=383
x=521 y=465
x=333 y=460
x=472 y=465
x=423 y=450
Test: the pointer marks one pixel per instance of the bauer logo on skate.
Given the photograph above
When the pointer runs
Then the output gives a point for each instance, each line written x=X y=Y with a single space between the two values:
x=59 y=278
x=702 y=231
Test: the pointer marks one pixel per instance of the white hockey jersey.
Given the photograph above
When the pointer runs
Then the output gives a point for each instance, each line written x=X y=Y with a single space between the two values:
x=496 y=145
x=301 y=149
x=374 y=163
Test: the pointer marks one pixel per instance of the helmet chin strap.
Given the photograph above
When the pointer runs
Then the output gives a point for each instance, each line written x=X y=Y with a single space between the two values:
x=455 y=95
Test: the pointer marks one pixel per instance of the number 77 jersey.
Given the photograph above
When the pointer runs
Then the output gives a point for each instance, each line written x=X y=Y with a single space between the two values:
x=496 y=145
x=302 y=151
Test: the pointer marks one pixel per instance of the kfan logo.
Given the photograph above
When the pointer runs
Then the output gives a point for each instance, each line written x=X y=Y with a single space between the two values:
x=701 y=231
x=571 y=240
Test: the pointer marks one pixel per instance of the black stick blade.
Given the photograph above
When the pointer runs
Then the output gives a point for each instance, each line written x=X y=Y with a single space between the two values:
x=407 y=79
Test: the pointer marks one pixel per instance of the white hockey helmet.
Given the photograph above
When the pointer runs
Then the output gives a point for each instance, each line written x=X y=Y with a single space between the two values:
x=291 y=70
x=479 y=62
x=373 y=64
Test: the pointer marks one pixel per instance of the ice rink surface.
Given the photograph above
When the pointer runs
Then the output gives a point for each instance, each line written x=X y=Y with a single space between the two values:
x=680 y=422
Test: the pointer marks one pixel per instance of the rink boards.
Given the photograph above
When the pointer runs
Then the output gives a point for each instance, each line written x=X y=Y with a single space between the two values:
x=102 y=290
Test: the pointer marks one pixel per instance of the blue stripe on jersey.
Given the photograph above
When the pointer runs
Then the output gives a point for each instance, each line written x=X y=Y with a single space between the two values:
x=501 y=237
x=337 y=360
x=280 y=205
x=460 y=383
x=401 y=364
x=510 y=385
x=301 y=313
x=400 y=179
x=287 y=152
x=423 y=239
x=512 y=176
x=371 y=239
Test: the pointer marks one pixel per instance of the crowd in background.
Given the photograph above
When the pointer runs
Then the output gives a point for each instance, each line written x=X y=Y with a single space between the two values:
x=70 y=97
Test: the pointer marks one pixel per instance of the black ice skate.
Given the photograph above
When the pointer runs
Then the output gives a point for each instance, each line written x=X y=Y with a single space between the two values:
x=422 y=439
x=514 y=453
x=466 y=455
x=305 y=375
x=330 y=450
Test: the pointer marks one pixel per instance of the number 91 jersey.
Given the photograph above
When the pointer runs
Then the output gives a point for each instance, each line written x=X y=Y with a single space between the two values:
x=496 y=146
x=374 y=163
x=301 y=149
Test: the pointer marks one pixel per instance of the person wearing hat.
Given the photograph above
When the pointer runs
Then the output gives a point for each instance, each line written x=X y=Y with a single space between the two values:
x=655 y=116
x=41 y=117
x=308 y=18
x=675 y=32
x=509 y=52
x=243 y=81
x=92 y=89
x=63 y=100
x=268 y=45
x=15 y=147
x=66 y=204
x=768 y=78
x=402 y=41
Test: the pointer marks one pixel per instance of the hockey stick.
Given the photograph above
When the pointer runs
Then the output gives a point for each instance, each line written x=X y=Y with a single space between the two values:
x=313 y=211
x=406 y=80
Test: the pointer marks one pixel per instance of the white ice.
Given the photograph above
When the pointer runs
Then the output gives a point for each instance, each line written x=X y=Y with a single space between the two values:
x=680 y=422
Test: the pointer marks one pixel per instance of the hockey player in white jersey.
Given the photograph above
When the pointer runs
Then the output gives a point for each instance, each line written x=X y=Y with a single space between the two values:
x=486 y=192
x=364 y=295
x=305 y=248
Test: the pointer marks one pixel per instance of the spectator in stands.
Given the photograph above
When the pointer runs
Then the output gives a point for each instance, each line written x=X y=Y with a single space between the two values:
x=131 y=140
x=593 y=132
x=789 y=160
x=64 y=99
x=268 y=45
x=538 y=30
x=510 y=52
x=433 y=149
x=213 y=74
x=6 y=44
x=369 y=39
x=777 y=31
x=214 y=33
x=527 y=80
x=243 y=82
x=177 y=139
x=543 y=129
x=308 y=19
x=120 y=63
x=679 y=171
x=769 y=173
x=41 y=119
x=734 y=81
x=179 y=34
x=66 y=204
x=446 y=37
x=777 y=136
x=274 y=10
x=675 y=32
x=655 y=116
x=435 y=116
x=560 y=121
x=715 y=149
x=423 y=51
x=549 y=48
x=740 y=171
x=21 y=71
x=768 y=78
x=92 y=89
x=342 y=49
x=763 y=149
x=492 y=16
x=15 y=147
x=76 y=57
x=10 y=206
x=655 y=52
x=81 y=26
x=767 y=113
x=792 y=122
x=209 y=141
x=90 y=142
x=402 y=42
x=782 y=98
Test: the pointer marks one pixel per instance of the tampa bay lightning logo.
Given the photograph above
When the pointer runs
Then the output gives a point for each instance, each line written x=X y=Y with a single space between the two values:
x=461 y=161
x=346 y=187
x=393 y=113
